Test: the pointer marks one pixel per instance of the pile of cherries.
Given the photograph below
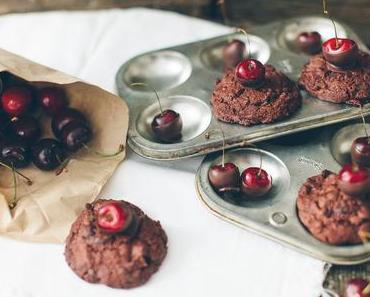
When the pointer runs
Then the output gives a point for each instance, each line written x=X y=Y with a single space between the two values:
x=354 y=179
x=225 y=178
x=20 y=130
x=357 y=287
x=114 y=218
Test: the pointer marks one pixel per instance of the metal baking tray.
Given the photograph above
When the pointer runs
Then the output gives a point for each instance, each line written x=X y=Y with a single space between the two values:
x=290 y=161
x=185 y=75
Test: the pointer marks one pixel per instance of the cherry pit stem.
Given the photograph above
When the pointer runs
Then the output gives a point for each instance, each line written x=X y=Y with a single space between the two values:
x=154 y=90
x=240 y=30
x=28 y=180
x=364 y=123
x=13 y=203
x=326 y=12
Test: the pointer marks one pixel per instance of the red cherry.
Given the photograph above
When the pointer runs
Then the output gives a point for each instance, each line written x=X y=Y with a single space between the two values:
x=360 y=151
x=357 y=288
x=52 y=100
x=16 y=100
x=224 y=178
x=341 y=52
x=233 y=53
x=250 y=73
x=309 y=42
x=112 y=217
x=256 y=182
x=354 y=180
x=167 y=126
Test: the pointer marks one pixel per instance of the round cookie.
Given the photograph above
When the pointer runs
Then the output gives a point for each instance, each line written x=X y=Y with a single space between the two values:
x=338 y=86
x=276 y=99
x=330 y=215
x=118 y=261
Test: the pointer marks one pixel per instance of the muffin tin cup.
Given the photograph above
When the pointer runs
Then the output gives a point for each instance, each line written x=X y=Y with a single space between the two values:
x=275 y=216
x=190 y=71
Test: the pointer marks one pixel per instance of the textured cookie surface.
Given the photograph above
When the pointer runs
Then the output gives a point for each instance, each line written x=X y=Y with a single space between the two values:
x=117 y=261
x=350 y=86
x=276 y=99
x=329 y=214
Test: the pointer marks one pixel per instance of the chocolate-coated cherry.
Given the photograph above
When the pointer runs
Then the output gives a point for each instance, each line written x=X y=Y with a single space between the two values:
x=309 y=42
x=255 y=182
x=114 y=218
x=25 y=129
x=47 y=154
x=357 y=287
x=250 y=73
x=167 y=126
x=52 y=100
x=16 y=100
x=64 y=118
x=354 y=180
x=14 y=154
x=233 y=53
x=224 y=178
x=75 y=135
x=340 y=52
x=360 y=151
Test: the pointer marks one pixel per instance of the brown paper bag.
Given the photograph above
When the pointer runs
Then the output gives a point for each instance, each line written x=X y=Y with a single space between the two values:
x=46 y=209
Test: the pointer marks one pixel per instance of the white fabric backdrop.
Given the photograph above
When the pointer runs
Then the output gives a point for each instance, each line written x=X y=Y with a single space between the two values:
x=207 y=257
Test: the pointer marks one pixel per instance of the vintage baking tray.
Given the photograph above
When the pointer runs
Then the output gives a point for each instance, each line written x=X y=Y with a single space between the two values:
x=185 y=76
x=290 y=161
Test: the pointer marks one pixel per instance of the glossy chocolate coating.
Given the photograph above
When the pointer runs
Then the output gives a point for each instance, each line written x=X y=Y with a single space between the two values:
x=354 y=180
x=360 y=151
x=233 y=53
x=340 y=58
x=309 y=42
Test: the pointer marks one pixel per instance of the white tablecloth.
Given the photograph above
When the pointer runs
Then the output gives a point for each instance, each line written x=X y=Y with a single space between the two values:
x=207 y=257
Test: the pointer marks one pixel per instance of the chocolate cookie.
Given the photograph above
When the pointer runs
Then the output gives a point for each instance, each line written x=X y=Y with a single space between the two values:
x=330 y=215
x=276 y=99
x=339 y=86
x=116 y=260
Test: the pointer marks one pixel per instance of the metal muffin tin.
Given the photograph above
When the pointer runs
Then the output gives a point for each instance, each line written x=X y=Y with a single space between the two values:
x=290 y=161
x=185 y=76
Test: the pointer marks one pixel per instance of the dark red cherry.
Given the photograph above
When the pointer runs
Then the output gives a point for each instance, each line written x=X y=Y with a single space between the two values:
x=16 y=100
x=66 y=117
x=340 y=52
x=75 y=135
x=360 y=151
x=47 y=154
x=357 y=287
x=250 y=73
x=4 y=123
x=354 y=180
x=25 y=129
x=224 y=178
x=52 y=100
x=14 y=154
x=309 y=42
x=167 y=126
x=114 y=217
x=233 y=53
x=256 y=182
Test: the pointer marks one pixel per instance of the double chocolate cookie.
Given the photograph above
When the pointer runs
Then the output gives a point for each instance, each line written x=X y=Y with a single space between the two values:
x=323 y=81
x=123 y=259
x=329 y=214
x=277 y=98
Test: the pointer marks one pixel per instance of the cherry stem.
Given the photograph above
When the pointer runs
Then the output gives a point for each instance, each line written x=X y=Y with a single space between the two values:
x=63 y=166
x=154 y=90
x=121 y=148
x=13 y=204
x=364 y=123
x=222 y=5
x=248 y=41
x=28 y=180
x=366 y=290
x=326 y=12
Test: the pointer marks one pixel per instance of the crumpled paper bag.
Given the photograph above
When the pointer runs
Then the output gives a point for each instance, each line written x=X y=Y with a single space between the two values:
x=46 y=209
